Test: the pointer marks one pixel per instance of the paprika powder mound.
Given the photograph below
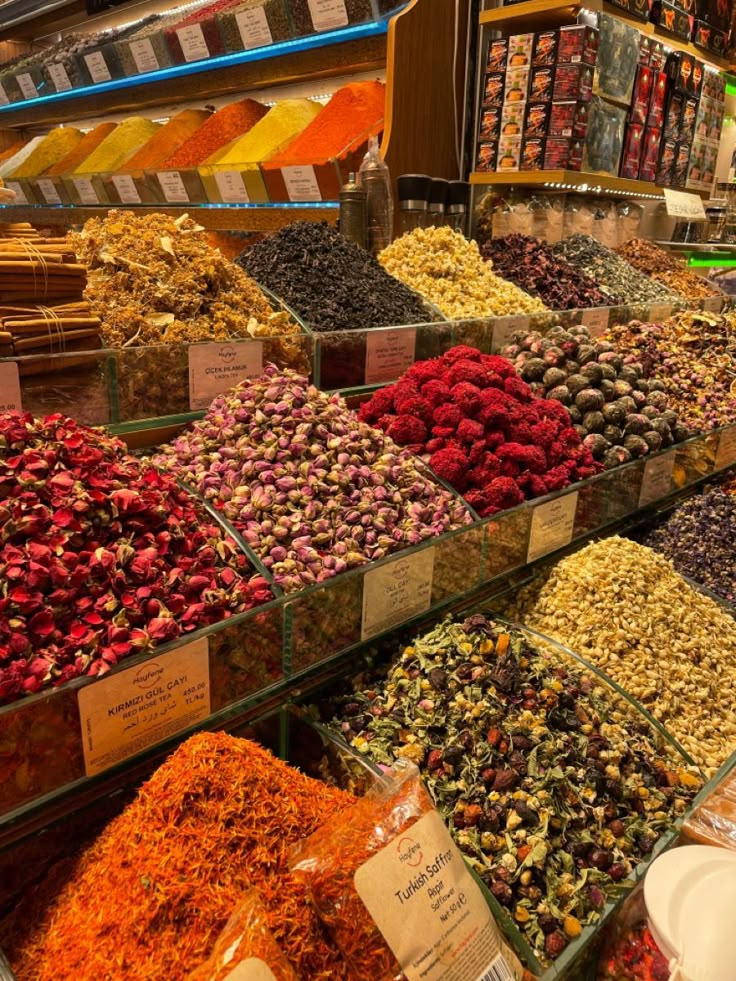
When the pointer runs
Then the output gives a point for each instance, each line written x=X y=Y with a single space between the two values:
x=220 y=129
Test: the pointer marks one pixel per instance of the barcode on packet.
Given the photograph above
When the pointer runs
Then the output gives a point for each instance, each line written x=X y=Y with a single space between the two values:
x=497 y=971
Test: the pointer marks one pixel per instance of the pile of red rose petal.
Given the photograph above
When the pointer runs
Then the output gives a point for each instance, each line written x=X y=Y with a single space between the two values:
x=481 y=429
x=101 y=556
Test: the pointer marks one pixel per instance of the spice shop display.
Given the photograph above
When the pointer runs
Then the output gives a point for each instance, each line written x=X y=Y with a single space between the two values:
x=220 y=129
x=243 y=26
x=49 y=151
x=612 y=603
x=552 y=785
x=102 y=557
x=220 y=816
x=449 y=271
x=481 y=429
x=618 y=414
x=312 y=490
x=197 y=35
x=111 y=154
x=661 y=265
x=173 y=133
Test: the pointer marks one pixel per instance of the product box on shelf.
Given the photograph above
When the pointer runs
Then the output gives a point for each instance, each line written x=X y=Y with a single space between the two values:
x=672 y=18
x=715 y=12
x=541 y=83
x=532 y=153
x=512 y=119
x=487 y=153
x=490 y=123
x=680 y=167
x=516 y=87
x=714 y=85
x=573 y=82
x=604 y=139
x=666 y=162
x=545 y=48
x=642 y=95
x=655 y=114
x=619 y=53
x=519 y=53
x=637 y=8
x=673 y=115
x=509 y=153
x=686 y=130
x=536 y=121
x=710 y=38
x=493 y=88
x=632 y=151
x=650 y=154
x=569 y=119
x=563 y=153
x=686 y=73
x=497 y=55
x=577 y=43
x=702 y=165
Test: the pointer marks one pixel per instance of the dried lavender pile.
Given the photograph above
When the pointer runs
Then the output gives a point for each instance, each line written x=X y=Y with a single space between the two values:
x=661 y=265
x=618 y=414
x=533 y=266
x=699 y=538
x=551 y=784
x=694 y=354
x=612 y=273
x=312 y=490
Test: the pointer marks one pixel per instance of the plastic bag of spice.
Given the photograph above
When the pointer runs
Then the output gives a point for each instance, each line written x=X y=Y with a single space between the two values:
x=246 y=950
x=389 y=883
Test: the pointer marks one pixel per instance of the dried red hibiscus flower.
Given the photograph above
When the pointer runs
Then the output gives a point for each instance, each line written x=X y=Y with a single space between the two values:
x=481 y=429
x=101 y=556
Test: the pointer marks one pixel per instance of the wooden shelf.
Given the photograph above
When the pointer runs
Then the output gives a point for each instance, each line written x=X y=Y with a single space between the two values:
x=540 y=15
x=563 y=180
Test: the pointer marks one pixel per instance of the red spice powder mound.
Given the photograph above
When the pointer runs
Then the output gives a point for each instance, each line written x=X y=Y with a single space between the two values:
x=147 y=900
x=220 y=129
x=351 y=112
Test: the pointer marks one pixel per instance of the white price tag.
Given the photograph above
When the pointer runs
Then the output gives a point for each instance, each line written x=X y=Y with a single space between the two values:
x=596 y=320
x=552 y=526
x=173 y=187
x=48 y=189
x=231 y=187
x=726 y=455
x=659 y=311
x=388 y=353
x=397 y=591
x=193 y=43
x=680 y=204
x=216 y=368
x=144 y=56
x=133 y=710
x=713 y=303
x=504 y=328
x=27 y=86
x=9 y=387
x=657 y=480
x=4 y=100
x=85 y=190
x=301 y=184
x=253 y=27
x=59 y=77
x=20 y=197
x=328 y=14
x=125 y=186
x=98 y=67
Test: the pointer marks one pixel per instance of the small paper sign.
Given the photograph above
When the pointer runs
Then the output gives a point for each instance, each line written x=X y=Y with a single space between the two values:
x=301 y=184
x=97 y=67
x=27 y=86
x=48 y=189
x=125 y=186
x=253 y=27
x=133 y=710
x=596 y=321
x=726 y=455
x=659 y=311
x=680 y=204
x=59 y=77
x=4 y=100
x=397 y=591
x=9 y=387
x=20 y=197
x=328 y=14
x=388 y=354
x=85 y=190
x=504 y=328
x=552 y=526
x=193 y=43
x=657 y=480
x=231 y=187
x=216 y=368
x=144 y=56
x=713 y=303
x=173 y=186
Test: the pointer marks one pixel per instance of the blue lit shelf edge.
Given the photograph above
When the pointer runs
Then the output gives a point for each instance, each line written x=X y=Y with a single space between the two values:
x=192 y=206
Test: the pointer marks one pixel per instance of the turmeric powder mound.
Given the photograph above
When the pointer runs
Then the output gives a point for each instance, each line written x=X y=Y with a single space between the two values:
x=57 y=144
x=89 y=142
x=269 y=135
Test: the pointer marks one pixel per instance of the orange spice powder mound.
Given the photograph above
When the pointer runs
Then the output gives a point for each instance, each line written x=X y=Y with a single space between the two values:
x=178 y=129
x=220 y=129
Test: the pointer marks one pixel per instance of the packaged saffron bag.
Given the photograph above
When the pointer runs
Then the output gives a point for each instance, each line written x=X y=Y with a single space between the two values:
x=391 y=886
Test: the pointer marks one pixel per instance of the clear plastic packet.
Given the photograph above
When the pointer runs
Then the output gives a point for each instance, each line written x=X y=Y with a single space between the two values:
x=390 y=885
x=245 y=950
x=714 y=821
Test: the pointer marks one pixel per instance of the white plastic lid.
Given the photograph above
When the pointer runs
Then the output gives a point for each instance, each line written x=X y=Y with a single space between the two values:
x=690 y=895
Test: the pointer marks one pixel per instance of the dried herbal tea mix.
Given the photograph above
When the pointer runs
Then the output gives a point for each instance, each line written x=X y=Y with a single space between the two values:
x=666 y=268
x=552 y=785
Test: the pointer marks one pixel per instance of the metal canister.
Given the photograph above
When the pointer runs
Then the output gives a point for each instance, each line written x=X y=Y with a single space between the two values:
x=354 y=212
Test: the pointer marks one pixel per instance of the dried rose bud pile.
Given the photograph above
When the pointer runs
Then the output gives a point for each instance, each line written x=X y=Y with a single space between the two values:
x=101 y=557
x=616 y=412
x=552 y=785
x=481 y=429
x=312 y=490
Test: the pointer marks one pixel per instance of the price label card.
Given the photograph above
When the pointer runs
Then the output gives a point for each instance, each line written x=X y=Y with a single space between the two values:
x=48 y=189
x=388 y=354
x=85 y=190
x=20 y=197
x=657 y=480
x=59 y=77
x=660 y=311
x=193 y=43
x=680 y=204
x=216 y=368
x=504 y=328
x=125 y=186
x=713 y=303
x=144 y=56
x=596 y=321
x=173 y=187
x=27 y=86
x=726 y=455
x=9 y=387
x=132 y=710
x=253 y=27
x=397 y=591
x=301 y=184
x=4 y=100
x=98 y=67
x=328 y=14
x=552 y=526
x=231 y=187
